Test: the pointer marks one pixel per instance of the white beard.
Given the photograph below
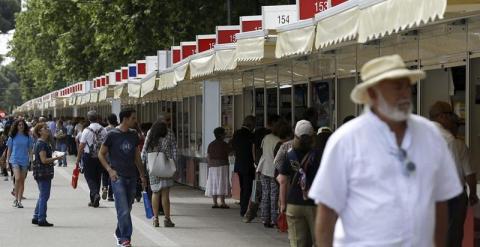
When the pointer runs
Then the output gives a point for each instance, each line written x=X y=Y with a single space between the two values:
x=393 y=112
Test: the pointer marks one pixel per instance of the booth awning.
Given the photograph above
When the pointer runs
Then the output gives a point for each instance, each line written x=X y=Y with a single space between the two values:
x=180 y=70
x=383 y=17
x=102 y=94
x=337 y=24
x=202 y=64
x=255 y=47
x=295 y=39
x=225 y=57
x=72 y=99
x=93 y=97
x=148 y=84
x=118 y=91
x=167 y=80
x=134 y=89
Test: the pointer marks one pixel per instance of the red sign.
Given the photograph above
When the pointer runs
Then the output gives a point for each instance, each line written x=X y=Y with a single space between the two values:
x=118 y=76
x=141 y=68
x=104 y=81
x=205 y=44
x=226 y=36
x=176 y=53
x=107 y=80
x=337 y=2
x=308 y=8
x=248 y=26
x=188 y=50
x=125 y=74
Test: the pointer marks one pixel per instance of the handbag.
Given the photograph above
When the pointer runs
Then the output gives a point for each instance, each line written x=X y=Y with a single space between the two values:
x=159 y=165
x=282 y=222
x=75 y=174
x=147 y=205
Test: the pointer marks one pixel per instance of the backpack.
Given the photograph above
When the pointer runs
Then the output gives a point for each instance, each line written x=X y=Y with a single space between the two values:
x=98 y=140
x=300 y=169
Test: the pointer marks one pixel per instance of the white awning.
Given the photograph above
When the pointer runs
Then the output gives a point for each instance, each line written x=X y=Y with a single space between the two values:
x=255 y=47
x=337 y=24
x=72 y=99
x=295 y=39
x=383 y=17
x=202 y=64
x=52 y=103
x=180 y=70
x=225 y=57
x=118 y=91
x=134 y=89
x=85 y=99
x=102 y=94
x=167 y=80
x=148 y=83
x=93 y=97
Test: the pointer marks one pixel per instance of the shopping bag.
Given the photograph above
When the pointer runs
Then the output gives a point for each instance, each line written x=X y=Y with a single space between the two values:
x=256 y=195
x=75 y=173
x=148 y=205
x=159 y=165
x=282 y=222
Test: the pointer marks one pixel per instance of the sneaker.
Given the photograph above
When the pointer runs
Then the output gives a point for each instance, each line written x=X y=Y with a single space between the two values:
x=15 y=203
x=35 y=221
x=19 y=205
x=125 y=243
x=90 y=204
x=96 y=201
x=168 y=223
x=104 y=193
x=117 y=240
x=45 y=224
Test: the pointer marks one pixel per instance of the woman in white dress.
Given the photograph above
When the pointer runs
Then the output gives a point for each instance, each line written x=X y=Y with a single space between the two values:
x=218 y=185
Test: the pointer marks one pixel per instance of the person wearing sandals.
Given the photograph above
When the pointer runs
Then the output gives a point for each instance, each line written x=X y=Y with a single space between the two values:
x=218 y=184
x=18 y=156
x=161 y=139
x=43 y=173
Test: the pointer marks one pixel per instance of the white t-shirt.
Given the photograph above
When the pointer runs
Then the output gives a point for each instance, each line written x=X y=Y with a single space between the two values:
x=88 y=136
x=265 y=165
x=363 y=177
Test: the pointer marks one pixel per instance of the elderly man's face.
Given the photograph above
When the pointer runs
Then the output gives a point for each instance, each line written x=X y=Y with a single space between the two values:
x=393 y=98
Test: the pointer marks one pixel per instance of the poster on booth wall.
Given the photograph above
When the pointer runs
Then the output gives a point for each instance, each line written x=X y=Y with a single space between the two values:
x=321 y=101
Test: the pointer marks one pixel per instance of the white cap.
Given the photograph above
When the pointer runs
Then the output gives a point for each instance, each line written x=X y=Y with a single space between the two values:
x=303 y=127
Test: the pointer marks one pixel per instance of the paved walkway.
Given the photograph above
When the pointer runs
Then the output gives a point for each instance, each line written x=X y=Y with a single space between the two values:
x=78 y=225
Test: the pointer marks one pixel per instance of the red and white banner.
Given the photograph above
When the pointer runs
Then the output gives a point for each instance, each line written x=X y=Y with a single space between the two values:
x=308 y=8
x=206 y=42
x=188 y=48
x=176 y=54
x=250 y=23
x=226 y=34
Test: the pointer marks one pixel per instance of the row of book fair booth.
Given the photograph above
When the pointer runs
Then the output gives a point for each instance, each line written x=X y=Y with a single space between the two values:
x=285 y=61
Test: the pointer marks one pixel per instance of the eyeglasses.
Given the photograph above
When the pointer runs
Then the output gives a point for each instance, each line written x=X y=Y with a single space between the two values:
x=409 y=166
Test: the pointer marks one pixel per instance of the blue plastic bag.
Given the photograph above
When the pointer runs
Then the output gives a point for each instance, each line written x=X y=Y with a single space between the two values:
x=148 y=205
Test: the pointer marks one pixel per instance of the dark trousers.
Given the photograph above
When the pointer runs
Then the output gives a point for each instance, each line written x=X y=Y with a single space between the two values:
x=457 y=212
x=107 y=183
x=246 y=181
x=93 y=174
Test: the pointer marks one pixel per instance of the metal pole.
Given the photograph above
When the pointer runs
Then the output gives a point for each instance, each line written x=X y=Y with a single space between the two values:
x=229 y=12
x=278 y=91
x=265 y=115
x=292 y=96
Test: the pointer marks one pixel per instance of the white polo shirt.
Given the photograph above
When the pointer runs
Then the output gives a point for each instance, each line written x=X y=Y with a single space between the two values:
x=364 y=179
x=88 y=135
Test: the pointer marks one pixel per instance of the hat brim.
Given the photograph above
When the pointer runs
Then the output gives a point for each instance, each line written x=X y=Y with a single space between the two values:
x=359 y=94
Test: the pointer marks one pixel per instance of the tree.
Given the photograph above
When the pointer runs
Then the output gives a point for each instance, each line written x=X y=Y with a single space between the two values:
x=10 y=94
x=8 y=8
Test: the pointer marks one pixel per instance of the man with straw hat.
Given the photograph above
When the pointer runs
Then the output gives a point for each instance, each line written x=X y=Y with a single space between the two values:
x=388 y=173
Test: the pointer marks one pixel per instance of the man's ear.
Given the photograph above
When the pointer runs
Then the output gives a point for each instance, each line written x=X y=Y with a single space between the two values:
x=372 y=94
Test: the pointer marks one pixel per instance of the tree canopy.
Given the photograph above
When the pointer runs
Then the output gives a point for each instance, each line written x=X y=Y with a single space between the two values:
x=8 y=8
x=62 y=42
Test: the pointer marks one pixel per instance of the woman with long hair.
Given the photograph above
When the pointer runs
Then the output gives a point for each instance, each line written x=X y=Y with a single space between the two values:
x=160 y=139
x=43 y=173
x=18 y=156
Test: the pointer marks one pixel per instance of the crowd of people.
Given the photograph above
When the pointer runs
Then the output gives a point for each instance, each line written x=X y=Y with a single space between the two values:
x=387 y=177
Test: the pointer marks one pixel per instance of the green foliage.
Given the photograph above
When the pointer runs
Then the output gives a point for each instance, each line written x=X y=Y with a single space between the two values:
x=9 y=88
x=62 y=42
x=8 y=8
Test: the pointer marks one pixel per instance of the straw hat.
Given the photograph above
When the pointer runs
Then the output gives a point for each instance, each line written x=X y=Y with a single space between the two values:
x=382 y=68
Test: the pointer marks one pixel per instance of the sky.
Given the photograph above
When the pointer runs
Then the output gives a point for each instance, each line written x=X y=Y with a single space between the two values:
x=4 y=38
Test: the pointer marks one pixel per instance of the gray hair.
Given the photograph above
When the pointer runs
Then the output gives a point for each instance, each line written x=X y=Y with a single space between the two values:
x=92 y=116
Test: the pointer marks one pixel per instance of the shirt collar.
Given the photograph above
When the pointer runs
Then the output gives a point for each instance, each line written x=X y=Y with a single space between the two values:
x=389 y=135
